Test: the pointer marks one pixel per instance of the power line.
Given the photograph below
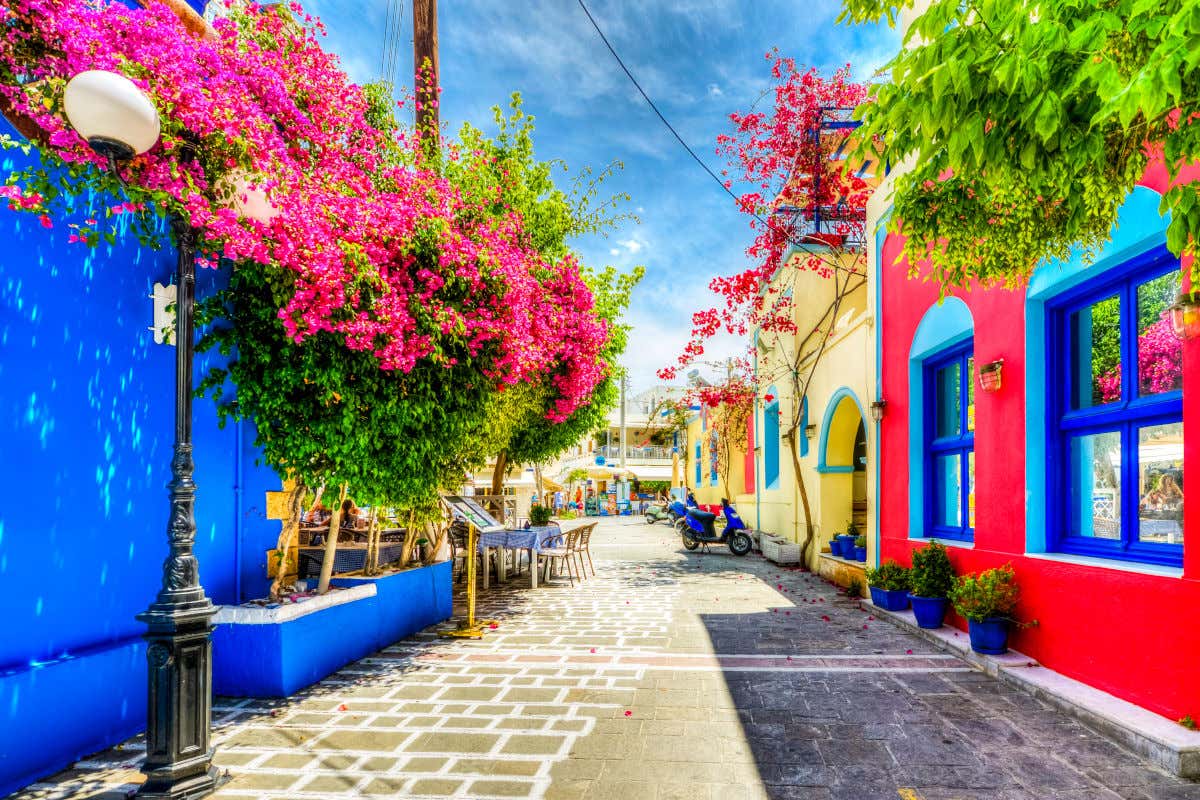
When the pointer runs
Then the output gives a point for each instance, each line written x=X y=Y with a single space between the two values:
x=798 y=245
x=653 y=107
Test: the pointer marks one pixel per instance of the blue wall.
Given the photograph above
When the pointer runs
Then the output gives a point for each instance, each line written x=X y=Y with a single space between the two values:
x=86 y=427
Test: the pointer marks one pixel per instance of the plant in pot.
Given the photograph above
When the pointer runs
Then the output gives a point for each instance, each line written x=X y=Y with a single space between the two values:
x=835 y=545
x=889 y=586
x=987 y=601
x=931 y=580
x=847 y=540
x=539 y=515
x=860 y=548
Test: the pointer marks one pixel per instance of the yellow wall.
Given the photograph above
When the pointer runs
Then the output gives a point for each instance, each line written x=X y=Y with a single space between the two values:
x=844 y=370
x=708 y=492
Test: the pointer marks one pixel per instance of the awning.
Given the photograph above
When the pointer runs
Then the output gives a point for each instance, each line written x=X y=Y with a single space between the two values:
x=657 y=472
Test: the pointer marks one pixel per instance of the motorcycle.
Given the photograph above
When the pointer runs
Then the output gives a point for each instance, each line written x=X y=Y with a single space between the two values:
x=697 y=528
x=656 y=512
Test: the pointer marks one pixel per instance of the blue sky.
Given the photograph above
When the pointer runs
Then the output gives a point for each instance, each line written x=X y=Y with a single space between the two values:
x=699 y=60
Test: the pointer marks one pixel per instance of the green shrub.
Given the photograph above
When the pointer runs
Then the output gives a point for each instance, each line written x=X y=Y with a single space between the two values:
x=932 y=574
x=539 y=515
x=889 y=576
x=854 y=587
x=991 y=593
x=851 y=528
x=861 y=541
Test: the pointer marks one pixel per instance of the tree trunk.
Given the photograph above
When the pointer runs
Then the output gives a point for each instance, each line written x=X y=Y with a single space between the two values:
x=537 y=483
x=436 y=534
x=410 y=542
x=498 y=484
x=335 y=525
x=808 y=526
x=289 y=535
x=371 y=567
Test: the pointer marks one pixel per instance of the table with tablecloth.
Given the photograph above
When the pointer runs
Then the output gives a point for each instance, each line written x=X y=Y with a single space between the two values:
x=532 y=539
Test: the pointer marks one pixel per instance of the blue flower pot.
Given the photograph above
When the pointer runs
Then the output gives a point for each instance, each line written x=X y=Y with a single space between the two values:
x=847 y=545
x=835 y=547
x=929 y=611
x=896 y=600
x=989 y=637
x=860 y=554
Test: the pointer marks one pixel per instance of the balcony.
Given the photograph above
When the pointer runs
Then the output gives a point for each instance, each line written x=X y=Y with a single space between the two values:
x=834 y=227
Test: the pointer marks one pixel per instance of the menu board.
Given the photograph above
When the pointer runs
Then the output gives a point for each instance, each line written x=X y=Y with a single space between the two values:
x=467 y=509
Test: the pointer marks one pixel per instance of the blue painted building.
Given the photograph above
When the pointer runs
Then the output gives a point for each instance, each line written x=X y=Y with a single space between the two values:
x=86 y=428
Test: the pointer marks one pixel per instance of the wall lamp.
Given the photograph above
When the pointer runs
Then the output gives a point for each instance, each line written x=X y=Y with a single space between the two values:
x=989 y=375
x=877 y=409
x=1185 y=315
x=810 y=431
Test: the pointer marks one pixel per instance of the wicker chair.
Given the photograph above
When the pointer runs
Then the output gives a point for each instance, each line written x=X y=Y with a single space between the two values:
x=563 y=553
x=583 y=548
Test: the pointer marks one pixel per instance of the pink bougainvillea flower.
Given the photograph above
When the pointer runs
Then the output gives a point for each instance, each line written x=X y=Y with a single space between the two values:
x=629 y=713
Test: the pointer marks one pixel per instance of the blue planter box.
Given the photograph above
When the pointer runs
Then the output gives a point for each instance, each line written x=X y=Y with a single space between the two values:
x=890 y=600
x=260 y=652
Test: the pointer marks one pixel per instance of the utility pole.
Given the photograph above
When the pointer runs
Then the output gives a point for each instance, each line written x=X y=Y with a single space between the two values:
x=425 y=66
x=624 y=380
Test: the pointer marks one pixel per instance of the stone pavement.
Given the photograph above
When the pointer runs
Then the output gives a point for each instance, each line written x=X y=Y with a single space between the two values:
x=668 y=675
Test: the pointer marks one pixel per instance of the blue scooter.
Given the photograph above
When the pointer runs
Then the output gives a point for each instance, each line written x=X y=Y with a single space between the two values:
x=698 y=528
x=677 y=510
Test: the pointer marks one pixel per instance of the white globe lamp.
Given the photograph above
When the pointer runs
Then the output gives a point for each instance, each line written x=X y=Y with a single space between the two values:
x=112 y=113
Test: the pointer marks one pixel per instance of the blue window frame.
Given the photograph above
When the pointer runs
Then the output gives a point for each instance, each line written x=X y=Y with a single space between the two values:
x=713 y=452
x=1115 y=416
x=950 y=444
x=771 y=444
x=698 y=468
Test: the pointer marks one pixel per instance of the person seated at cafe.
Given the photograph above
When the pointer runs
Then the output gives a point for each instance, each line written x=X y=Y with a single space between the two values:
x=352 y=516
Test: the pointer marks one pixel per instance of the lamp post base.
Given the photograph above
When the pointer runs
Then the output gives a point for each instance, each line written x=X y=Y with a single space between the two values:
x=193 y=787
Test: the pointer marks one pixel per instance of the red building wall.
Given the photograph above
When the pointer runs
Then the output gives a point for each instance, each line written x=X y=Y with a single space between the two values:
x=1131 y=634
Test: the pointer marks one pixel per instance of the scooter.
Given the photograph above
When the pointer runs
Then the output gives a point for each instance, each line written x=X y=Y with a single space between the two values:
x=677 y=510
x=698 y=528
x=656 y=512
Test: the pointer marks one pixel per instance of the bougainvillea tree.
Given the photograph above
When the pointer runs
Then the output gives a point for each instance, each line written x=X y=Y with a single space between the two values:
x=384 y=299
x=1027 y=125
x=730 y=406
x=806 y=205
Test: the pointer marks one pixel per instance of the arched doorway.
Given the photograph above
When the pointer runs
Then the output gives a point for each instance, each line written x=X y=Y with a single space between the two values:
x=842 y=466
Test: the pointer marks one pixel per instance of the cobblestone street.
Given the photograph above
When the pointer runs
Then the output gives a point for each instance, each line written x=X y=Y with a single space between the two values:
x=668 y=675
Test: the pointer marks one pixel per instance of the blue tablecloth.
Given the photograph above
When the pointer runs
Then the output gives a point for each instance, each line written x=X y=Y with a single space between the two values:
x=526 y=539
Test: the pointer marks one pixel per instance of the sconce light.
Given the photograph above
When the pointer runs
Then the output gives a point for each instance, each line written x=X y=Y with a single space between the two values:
x=810 y=431
x=1185 y=315
x=877 y=409
x=989 y=375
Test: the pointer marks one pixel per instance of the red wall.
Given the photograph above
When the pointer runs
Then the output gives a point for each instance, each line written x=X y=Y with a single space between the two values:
x=1127 y=633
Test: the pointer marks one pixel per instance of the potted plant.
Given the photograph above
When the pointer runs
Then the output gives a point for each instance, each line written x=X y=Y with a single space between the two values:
x=539 y=515
x=835 y=545
x=847 y=540
x=889 y=586
x=931 y=580
x=987 y=601
x=860 y=549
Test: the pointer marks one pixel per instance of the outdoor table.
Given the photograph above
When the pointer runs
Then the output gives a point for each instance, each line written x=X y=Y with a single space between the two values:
x=530 y=539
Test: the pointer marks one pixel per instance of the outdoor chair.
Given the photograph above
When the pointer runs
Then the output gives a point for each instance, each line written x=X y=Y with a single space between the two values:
x=584 y=547
x=560 y=554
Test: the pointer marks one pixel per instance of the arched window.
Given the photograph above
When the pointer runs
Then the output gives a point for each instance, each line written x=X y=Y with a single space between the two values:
x=941 y=486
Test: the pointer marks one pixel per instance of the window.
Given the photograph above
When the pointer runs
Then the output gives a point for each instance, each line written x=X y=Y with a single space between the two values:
x=1116 y=420
x=950 y=444
x=713 y=451
x=698 y=468
x=771 y=444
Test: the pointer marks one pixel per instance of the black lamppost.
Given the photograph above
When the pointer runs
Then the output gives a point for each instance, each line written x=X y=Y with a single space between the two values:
x=119 y=121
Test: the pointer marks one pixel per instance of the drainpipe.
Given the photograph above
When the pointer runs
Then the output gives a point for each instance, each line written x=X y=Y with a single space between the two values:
x=237 y=515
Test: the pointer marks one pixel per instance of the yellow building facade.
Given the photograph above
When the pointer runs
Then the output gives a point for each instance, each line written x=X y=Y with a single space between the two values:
x=835 y=447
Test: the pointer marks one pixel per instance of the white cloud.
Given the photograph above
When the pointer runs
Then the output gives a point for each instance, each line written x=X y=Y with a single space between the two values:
x=632 y=245
x=614 y=252
x=714 y=90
